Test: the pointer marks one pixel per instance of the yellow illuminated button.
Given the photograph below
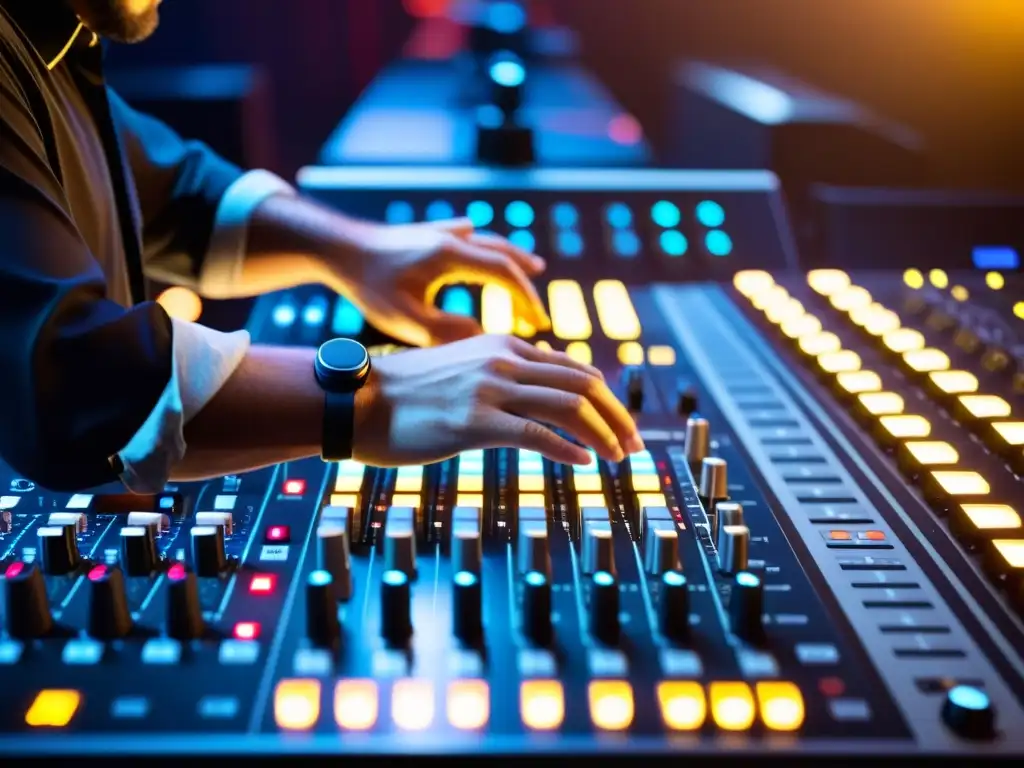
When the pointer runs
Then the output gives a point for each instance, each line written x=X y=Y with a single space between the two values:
x=470 y=500
x=856 y=382
x=412 y=704
x=954 y=382
x=881 y=403
x=651 y=500
x=531 y=483
x=751 y=281
x=615 y=311
x=350 y=500
x=470 y=483
x=961 y=483
x=906 y=426
x=646 y=483
x=53 y=707
x=820 y=344
x=469 y=704
x=569 y=318
x=781 y=705
x=828 y=281
x=409 y=480
x=995 y=281
x=932 y=452
x=350 y=477
x=527 y=500
x=1018 y=309
x=1010 y=551
x=611 y=704
x=775 y=294
x=959 y=293
x=882 y=322
x=842 y=361
x=991 y=516
x=496 y=312
x=297 y=704
x=587 y=477
x=787 y=310
x=406 y=500
x=903 y=340
x=926 y=360
x=683 y=706
x=798 y=327
x=985 y=406
x=938 y=278
x=850 y=299
x=356 y=704
x=580 y=352
x=631 y=353
x=732 y=706
x=541 y=704
x=1011 y=432
x=661 y=355
x=913 y=278
x=591 y=500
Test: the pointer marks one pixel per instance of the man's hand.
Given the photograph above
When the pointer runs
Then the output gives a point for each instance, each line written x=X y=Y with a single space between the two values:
x=426 y=405
x=402 y=268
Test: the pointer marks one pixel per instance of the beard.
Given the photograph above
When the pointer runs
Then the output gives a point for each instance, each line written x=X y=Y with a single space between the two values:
x=117 y=20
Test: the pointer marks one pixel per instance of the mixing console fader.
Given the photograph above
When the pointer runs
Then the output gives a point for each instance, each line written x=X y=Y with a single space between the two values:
x=817 y=553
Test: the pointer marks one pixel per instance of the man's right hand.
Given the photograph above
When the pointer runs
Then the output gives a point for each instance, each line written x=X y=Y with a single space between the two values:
x=427 y=405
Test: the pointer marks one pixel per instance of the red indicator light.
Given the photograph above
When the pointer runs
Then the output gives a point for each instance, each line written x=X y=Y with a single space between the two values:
x=831 y=686
x=295 y=487
x=279 y=533
x=97 y=572
x=177 y=572
x=872 y=535
x=262 y=584
x=14 y=570
x=247 y=630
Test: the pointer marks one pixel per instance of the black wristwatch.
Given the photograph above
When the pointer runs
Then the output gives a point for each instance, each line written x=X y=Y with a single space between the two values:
x=342 y=366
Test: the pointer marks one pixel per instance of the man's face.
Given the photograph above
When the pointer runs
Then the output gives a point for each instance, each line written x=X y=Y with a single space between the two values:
x=124 y=21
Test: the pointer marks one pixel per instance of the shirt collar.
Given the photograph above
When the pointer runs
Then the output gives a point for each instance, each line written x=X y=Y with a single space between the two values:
x=50 y=26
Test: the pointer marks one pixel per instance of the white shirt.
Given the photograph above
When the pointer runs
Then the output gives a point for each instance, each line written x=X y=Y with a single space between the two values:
x=204 y=359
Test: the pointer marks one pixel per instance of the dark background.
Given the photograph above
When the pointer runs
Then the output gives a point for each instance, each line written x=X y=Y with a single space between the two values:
x=952 y=69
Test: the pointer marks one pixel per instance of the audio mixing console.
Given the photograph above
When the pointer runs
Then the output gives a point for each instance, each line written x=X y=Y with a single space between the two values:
x=819 y=553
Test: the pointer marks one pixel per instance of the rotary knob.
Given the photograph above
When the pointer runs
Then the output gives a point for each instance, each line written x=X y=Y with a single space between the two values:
x=184 y=614
x=109 y=617
x=968 y=712
x=208 y=557
x=26 y=606
x=58 y=549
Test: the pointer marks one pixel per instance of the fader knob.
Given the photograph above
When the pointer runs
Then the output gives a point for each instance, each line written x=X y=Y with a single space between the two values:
x=466 y=607
x=698 y=439
x=138 y=550
x=26 y=607
x=58 y=549
x=714 y=482
x=733 y=548
x=109 y=617
x=604 y=607
x=332 y=555
x=322 y=625
x=686 y=398
x=208 y=550
x=467 y=550
x=184 y=614
x=633 y=378
x=674 y=606
x=537 y=607
x=968 y=712
x=395 y=618
x=746 y=605
x=661 y=551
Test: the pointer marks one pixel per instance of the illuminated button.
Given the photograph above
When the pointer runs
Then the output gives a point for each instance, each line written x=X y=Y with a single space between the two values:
x=580 y=352
x=279 y=533
x=247 y=630
x=828 y=281
x=913 y=278
x=928 y=453
x=716 y=241
x=294 y=487
x=842 y=361
x=587 y=477
x=409 y=480
x=406 y=500
x=297 y=704
x=651 y=500
x=787 y=310
x=468 y=704
x=850 y=299
x=1005 y=559
x=903 y=340
x=856 y=382
x=541 y=704
x=646 y=483
x=262 y=583
x=591 y=501
x=781 y=705
x=673 y=243
x=683 y=706
x=882 y=322
x=751 y=281
x=53 y=708
x=905 y=427
x=926 y=360
x=881 y=403
x=799 y=327
x=820 y=344
x=871 y=536
x=732 y=706
x=531 y=483
x=983 y=407
x=774 y=294
x=350 y=500
x=661 y=355
x=938 y=278
x=480 y=213
x=840 y=535
x=439 y=210
x=350 y=477
x=1011 y=433
x=862 y=315
x=665 y=214
x=611 y=704
x=497 y=314
x=527 y=500
x=959 y=293
x=356 y=704
x=565 y=215
x=543 y=346
x=631 y=353
x=519 y=214
x=953 y=382
x=470 y=483
x=976 y=522
x=470 y=500
x=1018 y=309
x=615 y=311
x=956 y=484
x=995 y=281
x=569 y=318
x=412 y=704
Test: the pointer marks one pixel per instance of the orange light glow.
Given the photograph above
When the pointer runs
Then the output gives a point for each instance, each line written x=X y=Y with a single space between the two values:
x=181 y=304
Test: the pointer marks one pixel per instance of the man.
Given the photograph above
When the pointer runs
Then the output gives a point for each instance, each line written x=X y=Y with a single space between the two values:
x=99 y=384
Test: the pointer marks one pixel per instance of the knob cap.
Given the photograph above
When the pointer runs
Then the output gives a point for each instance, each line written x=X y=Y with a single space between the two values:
x=729 y=513
x=138 y=550
x=467 y=550
x=698 y=439
x=746 y=605
x=733 y=548
x=333 y=556
x=598 y=554
x=467 y=606
x=58 y=549
x=322 y=625
x=533 y=551
x=634 y=385
x=400 y=550
x=208 y=550
x=537 y=607
x=604 y=607
x=661 y=551
x=714 y=484
x=109 y=617
x=968 y=712
x=686 y=398
x=26 y=607
x=674 y=606
x=184 y=613
x=395 y=618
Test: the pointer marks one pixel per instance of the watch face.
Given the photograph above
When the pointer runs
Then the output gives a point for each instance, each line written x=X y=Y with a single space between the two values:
x=343 y=356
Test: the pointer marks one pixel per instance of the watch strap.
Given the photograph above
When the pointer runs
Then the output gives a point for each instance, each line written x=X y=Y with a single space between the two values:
x=339 y=425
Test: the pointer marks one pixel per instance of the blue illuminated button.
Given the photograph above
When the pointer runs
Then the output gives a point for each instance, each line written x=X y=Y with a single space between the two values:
x=570 y=244
x=666 y=214
x=523 y=238
x=315 y=311
x=968 y=711
x=995 y=257
x=458 y=301
x=399 y=212
x=440 y=210
x=565 y=215
x=718 y=243
x=480 y=213
x=710 y=214
x=519 y=214
x=619 y=215
x=284 y=315
x=625 y=243
x=508 y=73
x=673 y=243
x=348 y=320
